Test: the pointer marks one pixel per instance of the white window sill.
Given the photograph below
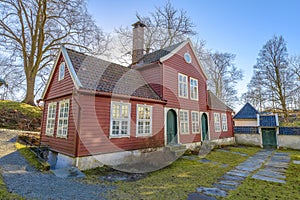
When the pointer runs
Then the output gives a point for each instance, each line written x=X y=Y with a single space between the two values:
x=119 y=136
x=63 y=137
x=185 y=133
x=143 y=135
x=195 y=132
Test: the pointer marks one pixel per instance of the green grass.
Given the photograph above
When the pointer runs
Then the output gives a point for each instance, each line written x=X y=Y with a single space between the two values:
x=4 y=194
x=25 y=109
x=177 y=180
x=257 y=189
x=31 y=157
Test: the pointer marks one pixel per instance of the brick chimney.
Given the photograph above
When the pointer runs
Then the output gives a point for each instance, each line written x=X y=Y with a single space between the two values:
x=138 y=42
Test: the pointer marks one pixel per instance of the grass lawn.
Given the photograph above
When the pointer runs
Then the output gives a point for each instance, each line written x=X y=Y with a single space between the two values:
x=177 y=180
x=257 y=189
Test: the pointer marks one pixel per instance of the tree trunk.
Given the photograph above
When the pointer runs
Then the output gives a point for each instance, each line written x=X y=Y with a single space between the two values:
x=29 y=98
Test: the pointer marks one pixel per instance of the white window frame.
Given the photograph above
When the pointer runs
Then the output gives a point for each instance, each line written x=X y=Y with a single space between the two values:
x=217 y=122
x=224 y=122
x=120 y=119
x=61 y=73
x=143 y=120
x=196 y=122
x=63 y=121
x=51 y=116
x=185 y=85
x=192 y=95
x=184 y=122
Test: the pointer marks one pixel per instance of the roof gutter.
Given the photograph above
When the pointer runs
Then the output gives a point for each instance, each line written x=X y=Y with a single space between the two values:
x=120 y=96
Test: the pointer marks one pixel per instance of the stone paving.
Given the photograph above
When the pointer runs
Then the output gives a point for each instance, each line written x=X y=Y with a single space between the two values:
x=271 y=166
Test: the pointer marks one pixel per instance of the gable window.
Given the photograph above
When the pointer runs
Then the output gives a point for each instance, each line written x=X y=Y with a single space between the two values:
x=51 y=119
x=194 y=88
x=183 y=85
x=63 y=119
x=61 y=74
x=144 y=120
x=184 y=121
x=224 y=122
x=195 y=122
x=217 y=122
x=120 y=119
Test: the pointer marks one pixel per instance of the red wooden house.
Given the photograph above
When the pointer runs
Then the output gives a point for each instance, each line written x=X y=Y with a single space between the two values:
x=98 y=108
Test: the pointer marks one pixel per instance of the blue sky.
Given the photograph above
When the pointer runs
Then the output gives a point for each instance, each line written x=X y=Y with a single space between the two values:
x=240 y=27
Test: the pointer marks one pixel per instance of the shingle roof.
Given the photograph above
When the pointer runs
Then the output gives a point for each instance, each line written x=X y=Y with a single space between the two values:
x=247 y=112
x=267 y=120
x=215 y=103
x=99 y=75
x=156 y=55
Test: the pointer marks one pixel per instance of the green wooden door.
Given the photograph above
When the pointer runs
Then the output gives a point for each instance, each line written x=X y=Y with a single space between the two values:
x=269 y=138
x=171 y=127
x=204 y=127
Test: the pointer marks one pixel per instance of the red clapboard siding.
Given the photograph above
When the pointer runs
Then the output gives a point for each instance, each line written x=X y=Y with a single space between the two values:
x=59 y=88
x=95 y=127
x=171 y=67
x=63 y=145
x=153 y=75
x=222 y=134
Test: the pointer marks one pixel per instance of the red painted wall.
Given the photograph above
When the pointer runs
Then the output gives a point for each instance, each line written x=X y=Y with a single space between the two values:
x=63 y=145
x=222 y=134
x=95 y=127
x=59 y=88
x=171 y=67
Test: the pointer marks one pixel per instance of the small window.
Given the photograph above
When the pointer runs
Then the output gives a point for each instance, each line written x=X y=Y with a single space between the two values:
x=51 y=119
x=217 y=122
x=195 y=122
x=224 y=122
x=184 y=121
x=120 y=119
x=63 y=119
x=61 y=74
x=144 y=120
x=194 y=88
x=187 y=58
x=183 y=85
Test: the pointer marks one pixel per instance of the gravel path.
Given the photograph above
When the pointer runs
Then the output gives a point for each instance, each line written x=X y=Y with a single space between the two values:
x=22 y=179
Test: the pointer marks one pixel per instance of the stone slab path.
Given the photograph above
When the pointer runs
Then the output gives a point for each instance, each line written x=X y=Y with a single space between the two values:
x=271 y=166
x=24 y=180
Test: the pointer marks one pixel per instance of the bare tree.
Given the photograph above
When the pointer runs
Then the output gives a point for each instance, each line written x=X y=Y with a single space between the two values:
x=256 y=95
x=164 y=27
x=31 y=32
x=276 y=76
x=223 y=76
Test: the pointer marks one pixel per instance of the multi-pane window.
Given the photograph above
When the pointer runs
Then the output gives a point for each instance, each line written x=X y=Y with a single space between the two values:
x=195 y=122
x=61 y=73
x=224 y=122
x=120 y=119
x=63 y=118
x=194 y=88
x=183 y=85
x=51 y=119
x=217 y=122
x=184 y=121
x=144 y=120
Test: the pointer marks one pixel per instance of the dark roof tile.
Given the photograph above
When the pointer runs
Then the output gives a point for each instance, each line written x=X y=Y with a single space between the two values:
x=267 y=120
x=247 y=112
x=99 y=75
x=156 y=55
x=215 y=103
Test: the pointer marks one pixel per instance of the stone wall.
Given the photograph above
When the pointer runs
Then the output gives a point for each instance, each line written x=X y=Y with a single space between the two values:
x=248 y=139
x=289 y=141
